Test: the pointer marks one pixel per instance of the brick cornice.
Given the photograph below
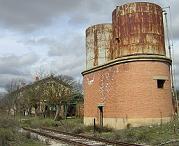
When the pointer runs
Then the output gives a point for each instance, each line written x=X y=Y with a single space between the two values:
x=132 y=58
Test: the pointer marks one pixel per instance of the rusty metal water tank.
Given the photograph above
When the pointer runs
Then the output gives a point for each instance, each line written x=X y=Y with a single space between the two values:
x=138 y=29
x=98 y=45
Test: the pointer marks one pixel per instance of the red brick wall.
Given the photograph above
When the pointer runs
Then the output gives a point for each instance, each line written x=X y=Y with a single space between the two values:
x=128 y=91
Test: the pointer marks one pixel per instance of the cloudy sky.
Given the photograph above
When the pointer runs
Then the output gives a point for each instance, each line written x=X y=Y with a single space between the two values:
x=43 y=36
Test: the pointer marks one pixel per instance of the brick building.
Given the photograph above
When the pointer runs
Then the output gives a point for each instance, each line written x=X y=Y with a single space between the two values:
x=127 y=77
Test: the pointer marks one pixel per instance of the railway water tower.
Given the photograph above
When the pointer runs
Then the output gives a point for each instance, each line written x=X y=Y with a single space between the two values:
x=132 y=83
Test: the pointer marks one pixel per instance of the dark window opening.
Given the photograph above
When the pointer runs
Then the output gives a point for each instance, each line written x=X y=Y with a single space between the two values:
x=71 y=110
x=160 y=83
x=117 y=39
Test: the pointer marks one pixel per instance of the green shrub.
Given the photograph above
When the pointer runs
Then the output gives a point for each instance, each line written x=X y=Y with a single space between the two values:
x=9 y=135
x=38 y=122
x=6 y=135
x=8 y=123
x=78 y=130
x=26 y=122
x=103 y=129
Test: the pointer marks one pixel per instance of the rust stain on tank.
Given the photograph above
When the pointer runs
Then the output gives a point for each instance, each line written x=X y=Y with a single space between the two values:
x=138 y=29
x=98 y=45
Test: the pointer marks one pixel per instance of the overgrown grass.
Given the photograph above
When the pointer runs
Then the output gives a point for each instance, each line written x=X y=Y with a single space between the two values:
x=69 y=125
x=36 y=122
x=9 y=135
x=151 y=135
x=72 y=125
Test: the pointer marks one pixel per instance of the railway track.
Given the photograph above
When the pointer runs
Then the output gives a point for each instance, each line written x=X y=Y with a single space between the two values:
x=74 y=139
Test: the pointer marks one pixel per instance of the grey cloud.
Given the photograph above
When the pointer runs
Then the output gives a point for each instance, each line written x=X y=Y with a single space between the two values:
x=100 y=12
x=5 y=79
x=176 y=67
x=97 y=10
x=39 y=41
x=93 y=11
x=73 y=45
x=175 y=28
x=78 y=20
x=14 y=67
x=18 y=61
x=34 y=14
x=31 y=14
x=70 y=65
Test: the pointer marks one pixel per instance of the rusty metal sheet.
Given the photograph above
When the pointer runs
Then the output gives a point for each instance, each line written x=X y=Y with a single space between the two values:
x=98 y=45
x=138 y=29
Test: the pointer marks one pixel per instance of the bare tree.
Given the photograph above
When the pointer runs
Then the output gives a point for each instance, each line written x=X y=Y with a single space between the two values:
x=11 y=98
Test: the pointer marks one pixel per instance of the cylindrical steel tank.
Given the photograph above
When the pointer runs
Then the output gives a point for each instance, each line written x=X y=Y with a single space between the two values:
x=138 y=29
x=98 y=45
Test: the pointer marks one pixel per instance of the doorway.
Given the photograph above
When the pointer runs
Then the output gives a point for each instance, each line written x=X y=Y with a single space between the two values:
x=100 y=116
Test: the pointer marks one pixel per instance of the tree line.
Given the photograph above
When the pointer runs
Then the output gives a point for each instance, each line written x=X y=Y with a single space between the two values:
x=42 y=97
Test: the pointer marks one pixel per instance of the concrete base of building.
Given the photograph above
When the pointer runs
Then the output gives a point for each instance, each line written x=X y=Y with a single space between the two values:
x=122 y=123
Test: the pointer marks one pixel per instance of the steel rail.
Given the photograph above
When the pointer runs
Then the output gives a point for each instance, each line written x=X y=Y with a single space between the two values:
x=56 y=137
x=117 y=143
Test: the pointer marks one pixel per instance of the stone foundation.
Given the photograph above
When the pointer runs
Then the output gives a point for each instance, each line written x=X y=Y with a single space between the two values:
x=122 y=123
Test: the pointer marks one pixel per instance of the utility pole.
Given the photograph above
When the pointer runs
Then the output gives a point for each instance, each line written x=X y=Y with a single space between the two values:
x=174 y=92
